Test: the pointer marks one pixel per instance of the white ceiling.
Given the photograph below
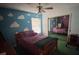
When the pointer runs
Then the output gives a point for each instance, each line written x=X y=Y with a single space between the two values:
x=32 y=6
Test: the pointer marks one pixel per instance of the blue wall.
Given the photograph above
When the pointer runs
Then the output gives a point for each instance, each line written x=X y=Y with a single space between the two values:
x=9 y=33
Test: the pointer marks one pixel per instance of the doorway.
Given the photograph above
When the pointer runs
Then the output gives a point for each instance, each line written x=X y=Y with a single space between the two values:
x=59 y=25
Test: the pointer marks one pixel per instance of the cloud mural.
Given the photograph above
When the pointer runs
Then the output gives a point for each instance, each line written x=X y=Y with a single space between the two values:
x=21 y=17
x=17 y=32
x=10 y=14
x=1 y=18
x=14 y=25
x=26 y=29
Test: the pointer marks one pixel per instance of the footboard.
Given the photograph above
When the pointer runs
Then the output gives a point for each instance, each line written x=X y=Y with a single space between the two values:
x=47 y=45
x=50 y=47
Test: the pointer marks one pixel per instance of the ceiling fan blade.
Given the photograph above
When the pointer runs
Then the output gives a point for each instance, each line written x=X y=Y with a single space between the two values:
x=43 y=10
x=49 y=8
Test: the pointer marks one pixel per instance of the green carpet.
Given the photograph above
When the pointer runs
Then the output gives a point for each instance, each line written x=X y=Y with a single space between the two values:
x=62 y=49
x=60 y=37
x=65 y=50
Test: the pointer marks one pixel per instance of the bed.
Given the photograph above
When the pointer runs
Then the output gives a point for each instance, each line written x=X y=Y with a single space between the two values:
x=36 y=44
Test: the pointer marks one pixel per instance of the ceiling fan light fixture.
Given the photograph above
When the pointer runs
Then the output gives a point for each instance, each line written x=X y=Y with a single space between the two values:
x=41 y=9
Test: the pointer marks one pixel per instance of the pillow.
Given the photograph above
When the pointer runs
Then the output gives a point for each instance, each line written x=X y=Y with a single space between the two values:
x=59 y=25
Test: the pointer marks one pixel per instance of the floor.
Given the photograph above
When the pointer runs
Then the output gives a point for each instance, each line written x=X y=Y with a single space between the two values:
x=62 y=49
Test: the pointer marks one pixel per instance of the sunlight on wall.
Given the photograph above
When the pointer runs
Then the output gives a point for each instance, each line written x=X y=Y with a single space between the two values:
x=45 y=24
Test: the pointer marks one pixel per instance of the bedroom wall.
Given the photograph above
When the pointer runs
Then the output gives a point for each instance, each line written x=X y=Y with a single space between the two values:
x=57 y=11
x=75 y=20
x=73 y=11
x=13 y=21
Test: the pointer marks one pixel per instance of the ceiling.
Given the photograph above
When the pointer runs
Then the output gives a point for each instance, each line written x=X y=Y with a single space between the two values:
x=32 y=6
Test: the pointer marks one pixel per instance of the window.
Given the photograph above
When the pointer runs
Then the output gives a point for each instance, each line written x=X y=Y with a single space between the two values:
x=36 y=25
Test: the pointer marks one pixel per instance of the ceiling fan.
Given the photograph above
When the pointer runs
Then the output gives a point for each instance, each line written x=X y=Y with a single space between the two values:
x=42 y=9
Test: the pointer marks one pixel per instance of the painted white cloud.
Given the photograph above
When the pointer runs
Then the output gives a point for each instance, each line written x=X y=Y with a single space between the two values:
x=1 y=18
x=28 y=14
x=10 y=14
x=21 y=17
x=14 y=25
x=26 y=29
x=17 y=32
